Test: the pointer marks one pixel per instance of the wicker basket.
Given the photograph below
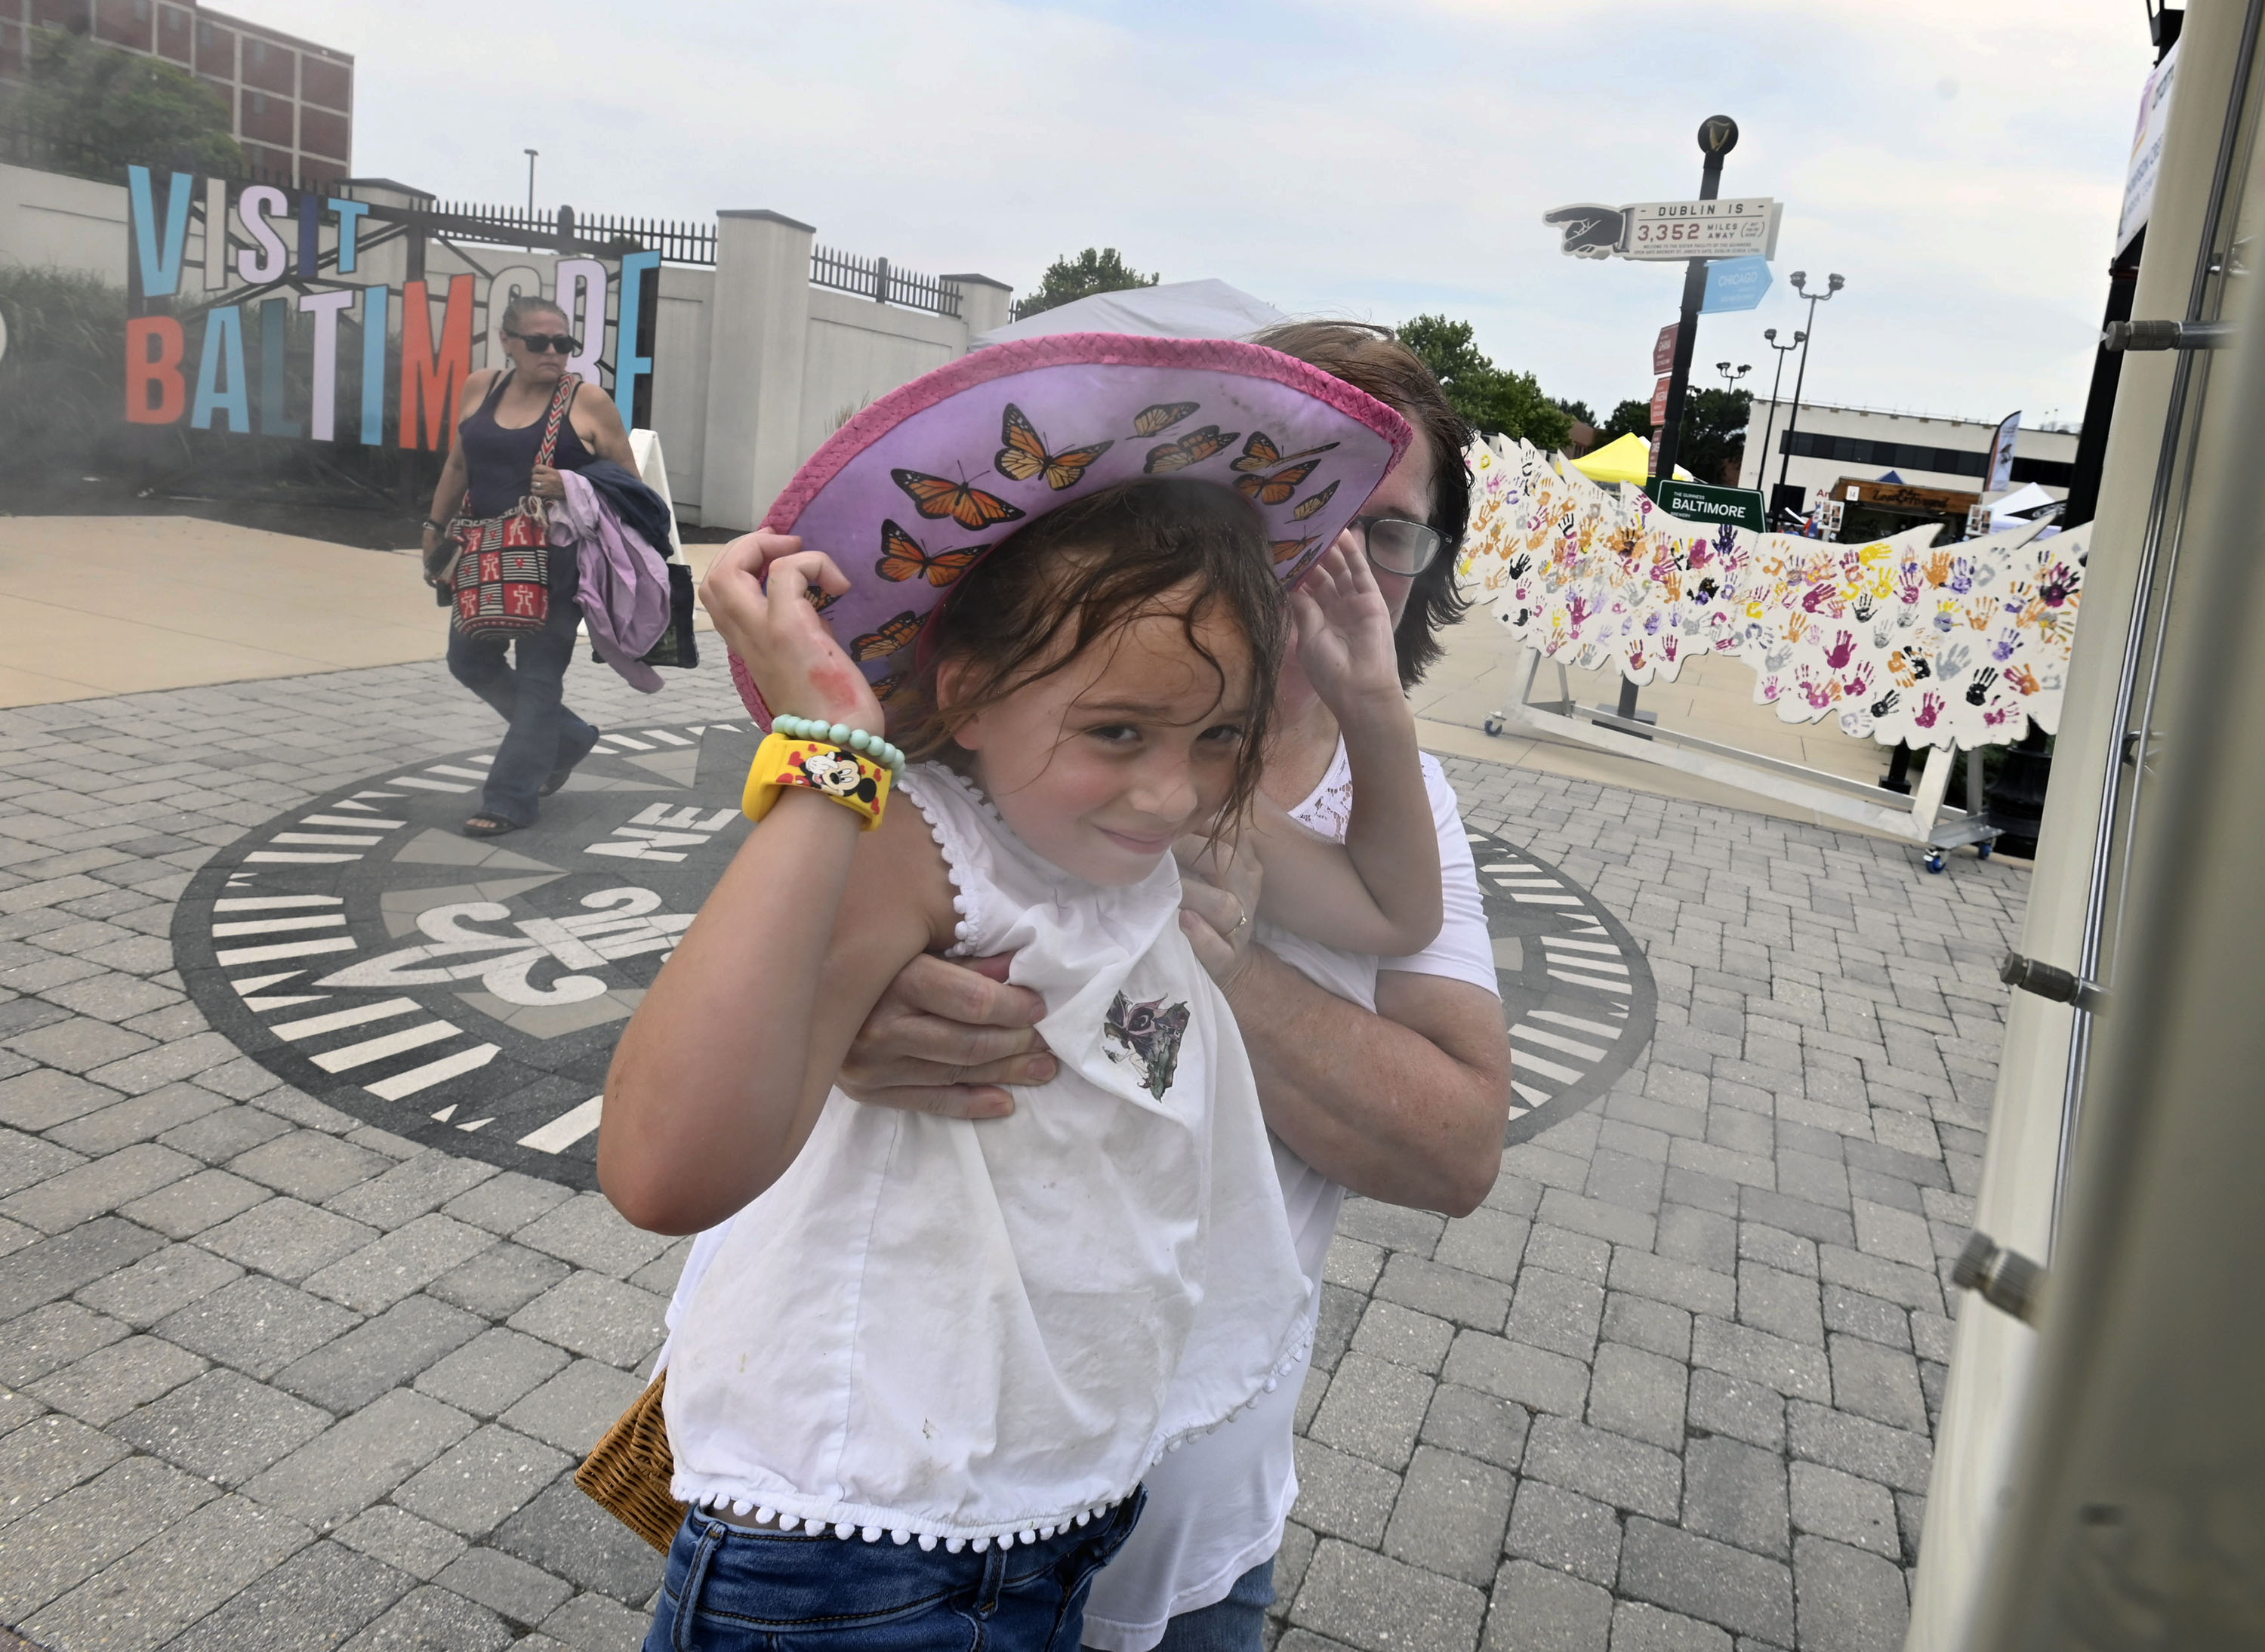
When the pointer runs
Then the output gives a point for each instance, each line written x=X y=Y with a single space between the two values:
x=628 y=1472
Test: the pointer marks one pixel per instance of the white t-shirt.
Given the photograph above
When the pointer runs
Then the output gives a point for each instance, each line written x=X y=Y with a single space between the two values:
x=1216 y=1507
x=961 y=1331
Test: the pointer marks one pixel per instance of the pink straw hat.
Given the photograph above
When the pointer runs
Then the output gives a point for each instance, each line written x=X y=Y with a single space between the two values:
x=908 y=495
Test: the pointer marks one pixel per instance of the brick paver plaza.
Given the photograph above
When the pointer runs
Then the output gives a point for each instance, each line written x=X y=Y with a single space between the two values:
x=272 y=1377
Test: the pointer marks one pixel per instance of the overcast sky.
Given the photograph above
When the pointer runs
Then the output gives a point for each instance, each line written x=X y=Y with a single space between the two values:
x=1960 y=162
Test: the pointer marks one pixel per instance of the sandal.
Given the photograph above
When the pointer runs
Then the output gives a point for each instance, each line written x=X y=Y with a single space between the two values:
x=489 y=825
x=559 y=775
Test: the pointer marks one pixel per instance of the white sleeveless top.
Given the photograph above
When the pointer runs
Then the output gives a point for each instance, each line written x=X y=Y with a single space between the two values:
x=963 y=1330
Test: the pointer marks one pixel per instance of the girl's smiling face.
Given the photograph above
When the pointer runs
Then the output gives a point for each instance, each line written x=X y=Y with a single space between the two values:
x=1101 y=764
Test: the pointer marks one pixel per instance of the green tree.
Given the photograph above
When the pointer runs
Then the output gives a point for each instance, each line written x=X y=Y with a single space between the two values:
x=1580 y=411
x=1715 y=434
x=1497 y=401
x=1631 y=417
x=101 y=107
x=1090 y=272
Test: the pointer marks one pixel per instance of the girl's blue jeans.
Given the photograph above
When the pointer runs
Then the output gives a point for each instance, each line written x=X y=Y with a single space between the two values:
x=729 y=1590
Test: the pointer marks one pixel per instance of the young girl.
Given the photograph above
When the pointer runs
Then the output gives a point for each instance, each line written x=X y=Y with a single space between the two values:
x=979 y=1337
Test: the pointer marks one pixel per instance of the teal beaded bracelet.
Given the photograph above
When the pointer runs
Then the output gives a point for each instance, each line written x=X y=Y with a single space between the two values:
x=871 y=745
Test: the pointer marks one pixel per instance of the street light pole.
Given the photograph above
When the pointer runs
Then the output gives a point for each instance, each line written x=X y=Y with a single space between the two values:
x=1833 y=284
x=1761 y=459
x=1718 y=136
x=530 y=154
x=1730 y=378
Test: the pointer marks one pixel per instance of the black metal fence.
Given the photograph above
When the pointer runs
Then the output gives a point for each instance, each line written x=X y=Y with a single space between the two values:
x=878 y=280
x=676 y=241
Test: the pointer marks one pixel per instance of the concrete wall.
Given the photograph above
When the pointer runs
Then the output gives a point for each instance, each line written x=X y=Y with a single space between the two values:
x=754 y=368
x=70 y=223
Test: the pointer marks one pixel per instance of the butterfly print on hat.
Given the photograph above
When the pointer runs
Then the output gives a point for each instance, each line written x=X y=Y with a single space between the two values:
x=1312 y=503
x=885 y=639
x=903 y=557
x=1276 y=489
x=1260 y=453
x=964 y=502
x=1150 y=1033
x=1193 y=448
x=1025 y=457
x=1155 y=421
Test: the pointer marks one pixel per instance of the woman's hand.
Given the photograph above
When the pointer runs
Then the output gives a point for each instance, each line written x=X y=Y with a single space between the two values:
x=1344 y=634
x=545 y=483
x=429 y=546
x=761 y=593
x=947 y=1037
x=1219 y=896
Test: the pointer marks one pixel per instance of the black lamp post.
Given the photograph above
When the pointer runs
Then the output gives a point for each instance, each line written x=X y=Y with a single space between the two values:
x=1769 y=338
x=1730 y=378
x=1833 y=284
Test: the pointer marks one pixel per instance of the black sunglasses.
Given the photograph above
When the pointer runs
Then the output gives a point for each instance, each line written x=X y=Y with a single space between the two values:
x=565 y=343
x=1397 y=545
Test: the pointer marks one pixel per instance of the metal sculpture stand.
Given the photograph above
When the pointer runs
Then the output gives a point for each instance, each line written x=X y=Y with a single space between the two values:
x=1918 y=817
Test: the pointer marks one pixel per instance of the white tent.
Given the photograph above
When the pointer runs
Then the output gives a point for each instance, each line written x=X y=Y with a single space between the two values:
x=2018 y=504
x=1177 y=310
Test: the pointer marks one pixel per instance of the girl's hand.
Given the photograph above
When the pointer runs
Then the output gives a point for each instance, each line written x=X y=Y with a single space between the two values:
x=544 y=483
x=757 y=592
x=1344 y=634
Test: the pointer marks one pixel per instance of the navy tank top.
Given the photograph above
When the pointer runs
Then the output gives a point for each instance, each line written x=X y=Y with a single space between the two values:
x=501 y=463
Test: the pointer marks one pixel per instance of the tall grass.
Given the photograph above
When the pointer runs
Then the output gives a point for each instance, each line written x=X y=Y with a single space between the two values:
x=62 y=397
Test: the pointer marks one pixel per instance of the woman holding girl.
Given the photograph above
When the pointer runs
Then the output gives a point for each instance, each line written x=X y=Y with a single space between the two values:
x=924 y=1368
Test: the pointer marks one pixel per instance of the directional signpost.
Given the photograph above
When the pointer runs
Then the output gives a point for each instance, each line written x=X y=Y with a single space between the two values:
x=1701 y=502
x=1702 y=229
x=1698 y=232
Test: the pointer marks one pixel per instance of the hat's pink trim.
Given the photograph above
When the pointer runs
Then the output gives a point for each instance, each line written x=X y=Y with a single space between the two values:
x=1076 y=349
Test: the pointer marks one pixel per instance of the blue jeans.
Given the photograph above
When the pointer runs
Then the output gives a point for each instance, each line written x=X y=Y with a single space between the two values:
x=1234 y=1624
x=728 y=1589
x=544 y=735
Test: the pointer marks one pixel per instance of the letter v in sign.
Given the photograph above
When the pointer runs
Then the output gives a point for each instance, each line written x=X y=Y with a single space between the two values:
x=160 y=255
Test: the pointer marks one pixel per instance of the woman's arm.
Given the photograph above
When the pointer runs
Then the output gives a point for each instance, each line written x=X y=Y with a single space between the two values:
x=448 y=493
x=1405 y=1103
x=598 y=422
x=1379 y=893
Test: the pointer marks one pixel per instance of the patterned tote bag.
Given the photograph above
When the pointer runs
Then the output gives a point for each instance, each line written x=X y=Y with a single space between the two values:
x=503 y=563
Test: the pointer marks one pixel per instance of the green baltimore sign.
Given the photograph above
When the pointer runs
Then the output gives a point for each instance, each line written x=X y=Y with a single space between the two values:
x=1701 y=502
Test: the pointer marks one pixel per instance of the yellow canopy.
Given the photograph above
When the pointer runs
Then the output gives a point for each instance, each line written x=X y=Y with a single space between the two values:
x=1626 y=459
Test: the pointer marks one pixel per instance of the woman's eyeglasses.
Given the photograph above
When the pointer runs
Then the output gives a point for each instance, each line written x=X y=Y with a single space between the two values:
x=1396 y=545
x=538 y=343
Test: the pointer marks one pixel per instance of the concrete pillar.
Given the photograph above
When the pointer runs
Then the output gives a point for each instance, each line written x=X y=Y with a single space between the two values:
x=759 y=329
x=984 y=303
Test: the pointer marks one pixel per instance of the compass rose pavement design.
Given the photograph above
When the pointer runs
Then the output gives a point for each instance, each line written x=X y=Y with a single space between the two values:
x=464 y=993
x=467 y=993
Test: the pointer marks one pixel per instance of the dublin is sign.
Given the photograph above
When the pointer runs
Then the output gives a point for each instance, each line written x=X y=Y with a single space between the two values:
x=1669 y=230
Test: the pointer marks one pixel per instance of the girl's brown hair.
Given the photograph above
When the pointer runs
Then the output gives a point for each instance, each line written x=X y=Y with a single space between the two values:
x=1076 y=576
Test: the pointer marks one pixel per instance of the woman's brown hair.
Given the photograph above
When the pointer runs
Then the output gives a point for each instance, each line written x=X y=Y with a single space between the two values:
x=1076 y=577
x=1373 y=358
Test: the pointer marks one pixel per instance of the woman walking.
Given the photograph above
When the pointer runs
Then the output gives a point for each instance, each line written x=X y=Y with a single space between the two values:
x=492 y=467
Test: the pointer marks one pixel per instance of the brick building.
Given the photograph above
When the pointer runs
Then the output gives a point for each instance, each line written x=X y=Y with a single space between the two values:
x=290 y=102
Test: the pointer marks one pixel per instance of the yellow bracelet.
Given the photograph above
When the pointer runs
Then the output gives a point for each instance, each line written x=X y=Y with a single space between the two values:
x=849 y=778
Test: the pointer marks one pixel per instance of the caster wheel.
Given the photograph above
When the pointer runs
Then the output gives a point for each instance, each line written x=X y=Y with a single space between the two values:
x=1494 y=725
x=1981 y=851
x=1935 y=863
